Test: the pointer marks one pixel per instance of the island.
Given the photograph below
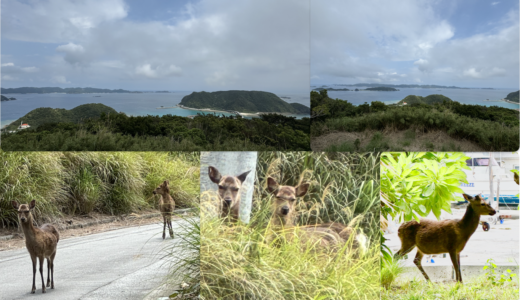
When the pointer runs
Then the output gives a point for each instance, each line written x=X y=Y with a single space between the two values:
x=4 y=98
x=252 y=102
x=512 y=97
x=430 y=99
x=43 y=115
x=382 y=89
x=51 y=90
x=329 y=89
x=422 y=86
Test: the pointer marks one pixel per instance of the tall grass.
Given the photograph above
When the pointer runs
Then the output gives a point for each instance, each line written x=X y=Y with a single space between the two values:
x=83 y=182
x=241 y=262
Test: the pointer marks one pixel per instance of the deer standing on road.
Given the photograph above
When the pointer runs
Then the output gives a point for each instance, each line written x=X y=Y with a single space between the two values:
x=446 y=236
x=166 y=206
x=228 y=192
x=40 y=242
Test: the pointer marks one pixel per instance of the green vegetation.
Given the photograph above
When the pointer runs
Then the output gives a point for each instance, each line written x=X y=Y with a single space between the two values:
x=4 y=98
x=119 y=132
x=329 y=89
x=45 y=115
x=382 y=88
x=82 y=182
x=241 y=101
x=240 y=262
x=513 y=96
x=47 y=90
x=424 y=86
x=475 y=289
x=492 y=128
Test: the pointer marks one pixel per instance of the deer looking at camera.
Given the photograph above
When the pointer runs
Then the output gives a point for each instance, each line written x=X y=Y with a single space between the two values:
x=166 y=206
x=446 y=236
x=325 y=235
x=40 y=242
x=228 y=193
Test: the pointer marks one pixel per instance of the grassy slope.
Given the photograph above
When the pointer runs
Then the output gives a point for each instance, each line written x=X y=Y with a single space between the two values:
x=42 y=115
x=242 y=101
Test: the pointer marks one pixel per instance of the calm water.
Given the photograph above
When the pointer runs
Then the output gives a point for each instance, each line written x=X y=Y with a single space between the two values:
x=465 y=96
x=131 y=104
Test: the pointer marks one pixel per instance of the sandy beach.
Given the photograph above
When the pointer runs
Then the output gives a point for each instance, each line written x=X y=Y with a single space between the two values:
x=227 y=112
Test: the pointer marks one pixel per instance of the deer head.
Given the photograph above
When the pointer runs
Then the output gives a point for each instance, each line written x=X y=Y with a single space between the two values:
x=284 y=203
x=162 y=189
x=479 y=205
x=24 y=211
x=228 y=187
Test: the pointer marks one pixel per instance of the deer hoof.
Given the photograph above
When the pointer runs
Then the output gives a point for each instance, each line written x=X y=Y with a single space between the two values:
x=33 y=291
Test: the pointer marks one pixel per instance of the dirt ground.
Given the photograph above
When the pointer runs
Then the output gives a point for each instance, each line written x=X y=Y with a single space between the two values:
x=74 y=226
x=397 y=140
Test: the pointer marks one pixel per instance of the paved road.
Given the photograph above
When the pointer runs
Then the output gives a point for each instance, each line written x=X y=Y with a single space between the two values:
x=121 y=264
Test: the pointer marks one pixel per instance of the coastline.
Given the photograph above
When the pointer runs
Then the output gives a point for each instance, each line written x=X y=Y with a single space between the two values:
x=257 y=114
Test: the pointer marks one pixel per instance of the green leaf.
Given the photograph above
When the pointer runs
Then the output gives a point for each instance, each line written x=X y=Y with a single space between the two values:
x=429 y=190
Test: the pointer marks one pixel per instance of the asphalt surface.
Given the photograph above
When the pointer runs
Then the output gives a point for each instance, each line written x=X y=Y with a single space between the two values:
x=127 y=263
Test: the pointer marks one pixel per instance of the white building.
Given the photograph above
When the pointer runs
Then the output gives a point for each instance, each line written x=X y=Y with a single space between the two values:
x=23 y=125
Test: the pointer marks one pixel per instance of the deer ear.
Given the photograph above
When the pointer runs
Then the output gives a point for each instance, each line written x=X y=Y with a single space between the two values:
x=301 y=190
x=214 y=174
x=272 y=185
x=32 y=204
x=15 y=204
x=467 y=197
x=166 y=183
x=242 y=177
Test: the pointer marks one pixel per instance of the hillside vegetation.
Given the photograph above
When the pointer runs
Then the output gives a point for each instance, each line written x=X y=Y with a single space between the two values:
x=44 y=115
x=492 y=128
x=241 y=101
x=119 y=132
x=513 y=96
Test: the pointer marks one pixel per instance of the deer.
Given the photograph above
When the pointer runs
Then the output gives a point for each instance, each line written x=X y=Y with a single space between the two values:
x=228 y=193
x=326 y=235
x=166 y=206
x=40 y=242
x=446 y=236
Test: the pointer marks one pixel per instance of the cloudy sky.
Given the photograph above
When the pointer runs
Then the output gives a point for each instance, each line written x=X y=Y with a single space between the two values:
x=465 y=43
x=150 y=45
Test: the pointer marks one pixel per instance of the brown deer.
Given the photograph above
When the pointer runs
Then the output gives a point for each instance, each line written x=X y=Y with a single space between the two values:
x=166 y=206
x=327 y=235
x=40 y=242
x=446 y=236
x=228 y=192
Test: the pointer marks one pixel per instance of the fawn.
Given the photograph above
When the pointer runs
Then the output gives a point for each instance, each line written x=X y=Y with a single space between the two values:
x=40 y=242
x=325 y=235
x=228 y=192
x=446 y=236
x=166 y=206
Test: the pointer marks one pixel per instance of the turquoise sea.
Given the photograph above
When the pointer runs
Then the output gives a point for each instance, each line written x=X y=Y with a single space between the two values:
x=131 y=104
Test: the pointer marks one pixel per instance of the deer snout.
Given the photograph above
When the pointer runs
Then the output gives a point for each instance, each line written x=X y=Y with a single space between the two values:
x=154 y=192
x=23 y=219
x=227 y=201
x=493 y=212
x=284 y=210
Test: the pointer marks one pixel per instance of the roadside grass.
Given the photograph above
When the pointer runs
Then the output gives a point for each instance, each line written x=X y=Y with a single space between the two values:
x=479 y=288
x=243 y=261
x=77 y=183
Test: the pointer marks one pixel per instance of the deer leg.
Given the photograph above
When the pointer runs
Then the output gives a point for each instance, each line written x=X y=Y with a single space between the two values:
x=458 y=261
x=33 y=258
x=52 y=269
x=405 y=248
x=417 y=262
x=170 y=227
x=164 y=228
x=41 y=273
x=455 y=261
x=48 y=272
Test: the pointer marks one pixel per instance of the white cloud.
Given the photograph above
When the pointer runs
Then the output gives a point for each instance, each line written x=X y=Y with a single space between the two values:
x=161 y=71
x=11 y=68
x=60 y=79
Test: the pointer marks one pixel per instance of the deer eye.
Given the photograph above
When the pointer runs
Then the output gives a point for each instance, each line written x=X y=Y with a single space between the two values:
x=234 y=189
x=220 y=187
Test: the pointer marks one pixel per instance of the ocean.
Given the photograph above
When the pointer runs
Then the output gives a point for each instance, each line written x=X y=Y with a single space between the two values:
x=465 y=96
x=131 y=104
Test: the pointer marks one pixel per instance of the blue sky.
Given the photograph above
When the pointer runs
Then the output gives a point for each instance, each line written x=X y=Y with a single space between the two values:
x=463 y=43
x=156 y=44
